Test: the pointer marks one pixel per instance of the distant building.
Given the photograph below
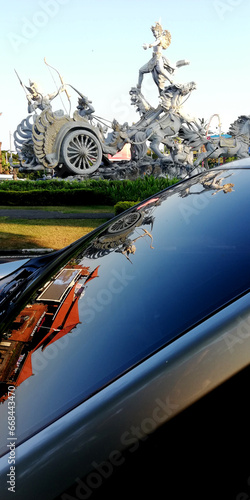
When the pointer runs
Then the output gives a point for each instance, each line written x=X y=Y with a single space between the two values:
x=10 y=352
x=214 y=136
x=13 y=348
x=124 y=154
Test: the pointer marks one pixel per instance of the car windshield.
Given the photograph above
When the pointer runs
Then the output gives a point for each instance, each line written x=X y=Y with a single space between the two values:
x=146 y=278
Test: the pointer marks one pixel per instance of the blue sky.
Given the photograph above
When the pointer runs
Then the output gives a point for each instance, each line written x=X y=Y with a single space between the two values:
x=97 y=47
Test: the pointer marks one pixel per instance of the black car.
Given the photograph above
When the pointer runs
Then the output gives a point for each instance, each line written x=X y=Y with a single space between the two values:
x=124 y=358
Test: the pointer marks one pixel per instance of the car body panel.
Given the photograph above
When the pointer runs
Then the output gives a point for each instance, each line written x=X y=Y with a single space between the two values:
x=125 y=328
x=9 y=266
x=133 y=406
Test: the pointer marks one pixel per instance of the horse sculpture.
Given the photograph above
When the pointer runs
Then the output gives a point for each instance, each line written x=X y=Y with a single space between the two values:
x=236 y=145
x=180 y=153
x=159 y=125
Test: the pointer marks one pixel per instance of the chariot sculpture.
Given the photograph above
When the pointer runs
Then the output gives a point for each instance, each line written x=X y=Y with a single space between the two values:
x=78 y=145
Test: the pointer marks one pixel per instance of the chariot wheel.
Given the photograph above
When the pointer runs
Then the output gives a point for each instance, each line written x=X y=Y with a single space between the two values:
x=125 y=223
x=81 y=152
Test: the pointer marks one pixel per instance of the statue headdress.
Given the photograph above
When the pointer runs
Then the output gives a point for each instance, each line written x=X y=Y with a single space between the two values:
x=164 y=34
x=33 y=88
x=157 y=27
x=166 y=39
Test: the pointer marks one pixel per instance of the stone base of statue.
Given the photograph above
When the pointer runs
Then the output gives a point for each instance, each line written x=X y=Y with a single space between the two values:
x=132 y=170
x=156 y=168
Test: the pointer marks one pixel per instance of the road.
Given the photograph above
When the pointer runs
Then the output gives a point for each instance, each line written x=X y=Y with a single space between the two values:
x=13 y=213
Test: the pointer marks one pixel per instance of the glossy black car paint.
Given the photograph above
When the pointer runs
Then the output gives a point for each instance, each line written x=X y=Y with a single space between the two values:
x=163 y=320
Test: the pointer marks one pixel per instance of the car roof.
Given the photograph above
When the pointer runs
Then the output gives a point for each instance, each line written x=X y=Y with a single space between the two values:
x=242 y=163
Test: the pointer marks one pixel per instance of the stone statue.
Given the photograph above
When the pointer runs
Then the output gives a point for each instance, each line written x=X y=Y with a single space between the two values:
x=36 y=100
x=172 y=99
x=85 y=107
x=81 y=144
x=180 y=153
x=161 y=124
x=236 y=145
x=159 y=66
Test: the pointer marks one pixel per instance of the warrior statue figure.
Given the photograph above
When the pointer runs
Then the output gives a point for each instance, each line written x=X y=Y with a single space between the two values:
x=158 y=65
x=36 y=100
x=172 y=100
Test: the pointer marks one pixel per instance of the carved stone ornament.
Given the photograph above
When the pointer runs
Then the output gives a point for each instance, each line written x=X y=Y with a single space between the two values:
x=44 y=133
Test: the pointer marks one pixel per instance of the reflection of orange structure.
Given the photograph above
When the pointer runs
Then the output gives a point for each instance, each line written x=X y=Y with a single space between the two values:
x=12 y=348
x=152 y=200
x=92 y=275
x=26 y=370
x=56 y=290
x=67 y=316
x=57 y=317
x=10 y=352
x=27 y=322
x=65 y=320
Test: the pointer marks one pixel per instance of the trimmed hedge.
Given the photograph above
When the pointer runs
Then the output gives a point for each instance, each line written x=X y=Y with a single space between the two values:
x=62 y=197
x=121 y=206
x=96 y=192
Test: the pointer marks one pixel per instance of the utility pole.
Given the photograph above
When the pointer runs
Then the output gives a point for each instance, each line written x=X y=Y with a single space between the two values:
x=10 y=144
x=14 y=170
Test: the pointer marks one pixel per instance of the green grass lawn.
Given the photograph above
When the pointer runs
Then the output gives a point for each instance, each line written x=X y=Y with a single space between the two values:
x=17 y=234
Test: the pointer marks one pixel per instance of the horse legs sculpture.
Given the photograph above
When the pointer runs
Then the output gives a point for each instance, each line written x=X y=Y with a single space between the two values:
x=182 y=154
x=162 y=131
x=236 y=145
x=227 y=148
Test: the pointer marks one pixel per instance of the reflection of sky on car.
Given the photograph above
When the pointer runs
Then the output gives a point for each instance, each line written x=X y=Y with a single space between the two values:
x=135 y=306
x=8 y=267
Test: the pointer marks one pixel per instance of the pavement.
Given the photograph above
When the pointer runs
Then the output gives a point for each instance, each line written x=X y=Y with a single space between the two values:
x=13 y=213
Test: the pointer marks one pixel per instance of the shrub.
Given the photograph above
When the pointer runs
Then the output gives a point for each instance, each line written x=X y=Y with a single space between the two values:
x=62 y=197
x=121 y=206
x=87 y=192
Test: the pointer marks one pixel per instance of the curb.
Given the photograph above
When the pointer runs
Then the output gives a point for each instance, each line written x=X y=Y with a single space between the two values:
x=24 y=253
x=37 y=214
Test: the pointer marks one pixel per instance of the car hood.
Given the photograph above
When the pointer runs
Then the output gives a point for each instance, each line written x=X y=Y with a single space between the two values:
x=89 y=313
x=8 y=267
